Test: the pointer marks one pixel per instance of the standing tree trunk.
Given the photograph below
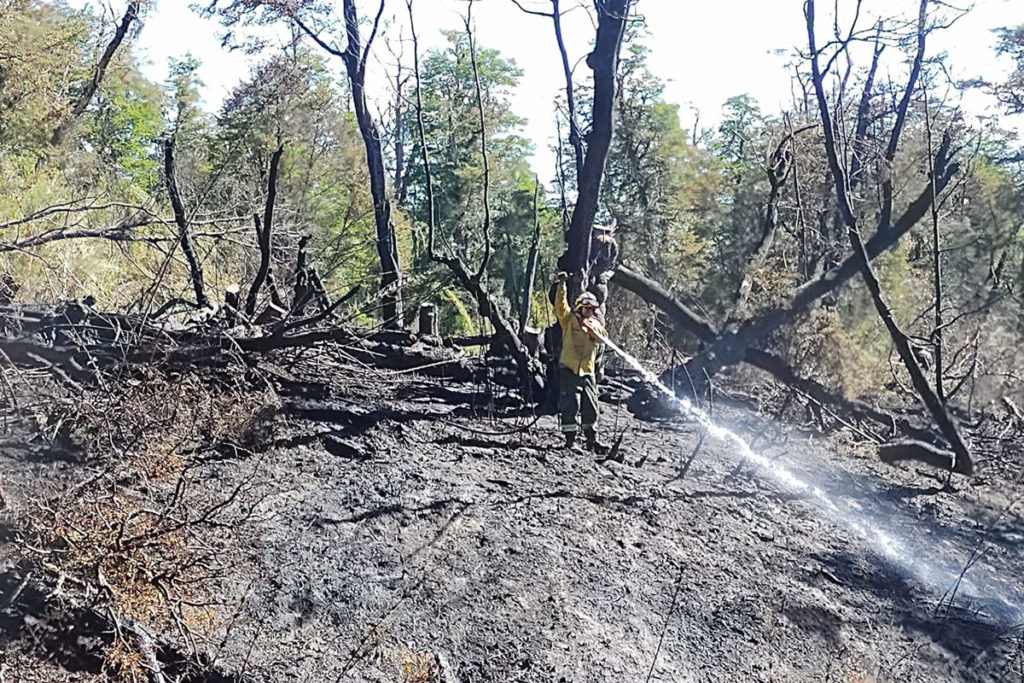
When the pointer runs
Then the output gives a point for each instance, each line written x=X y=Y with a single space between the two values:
x=263 y=235
x=504 y=330
x=604 y=61
x=387 y=246
x=354 y=57
x=181 y=220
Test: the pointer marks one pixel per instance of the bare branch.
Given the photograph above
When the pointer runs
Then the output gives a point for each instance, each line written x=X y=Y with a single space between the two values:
x=130 y=15
x=483 y=143
x=534 y=12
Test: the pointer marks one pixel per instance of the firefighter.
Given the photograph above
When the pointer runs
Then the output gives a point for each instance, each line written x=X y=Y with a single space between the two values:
x=581 y=335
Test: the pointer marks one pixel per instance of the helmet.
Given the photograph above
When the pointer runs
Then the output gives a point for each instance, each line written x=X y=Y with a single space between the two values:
x=585 y=299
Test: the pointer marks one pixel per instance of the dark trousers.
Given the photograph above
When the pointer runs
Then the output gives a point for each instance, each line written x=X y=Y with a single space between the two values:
x=577 y=400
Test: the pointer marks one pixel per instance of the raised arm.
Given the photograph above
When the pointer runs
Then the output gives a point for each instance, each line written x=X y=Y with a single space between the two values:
x=562 y=310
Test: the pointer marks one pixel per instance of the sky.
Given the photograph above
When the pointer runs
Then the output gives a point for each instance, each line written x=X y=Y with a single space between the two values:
x=706 y=51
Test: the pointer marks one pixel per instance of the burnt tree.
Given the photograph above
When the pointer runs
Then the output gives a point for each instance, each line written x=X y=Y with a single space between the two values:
x=354 y=56
x=604 y=61
x=469 y=279
x=263 y=233
x=195 y=267
x=962 y=460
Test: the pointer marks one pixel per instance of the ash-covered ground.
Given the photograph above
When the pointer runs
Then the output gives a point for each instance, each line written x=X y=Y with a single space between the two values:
x=409 y=528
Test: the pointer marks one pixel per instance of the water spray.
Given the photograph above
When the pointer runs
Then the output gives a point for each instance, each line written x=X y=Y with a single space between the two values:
x=888 y=545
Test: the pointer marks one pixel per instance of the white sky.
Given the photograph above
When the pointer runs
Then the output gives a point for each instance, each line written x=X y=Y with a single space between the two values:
x=705 y=50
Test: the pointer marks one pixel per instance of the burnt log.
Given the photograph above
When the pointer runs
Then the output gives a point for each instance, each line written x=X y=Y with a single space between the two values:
x=919 y=451
x=647 y=401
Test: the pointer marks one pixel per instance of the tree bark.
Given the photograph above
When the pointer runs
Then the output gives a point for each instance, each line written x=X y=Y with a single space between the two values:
x=181 y=220
x=130 y=15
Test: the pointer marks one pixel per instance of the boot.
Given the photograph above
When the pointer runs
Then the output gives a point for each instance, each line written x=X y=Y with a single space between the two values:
x=593 y=445
x=570 y=441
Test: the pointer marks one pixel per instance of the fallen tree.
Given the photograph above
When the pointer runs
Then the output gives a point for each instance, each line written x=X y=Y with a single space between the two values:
x=684 y=319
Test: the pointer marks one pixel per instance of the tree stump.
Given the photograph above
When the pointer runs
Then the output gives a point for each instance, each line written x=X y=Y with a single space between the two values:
x=428 y=320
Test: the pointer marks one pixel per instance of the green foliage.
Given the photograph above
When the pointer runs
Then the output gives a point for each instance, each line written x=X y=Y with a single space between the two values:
x=454 y=317
x=452 y=133
x=124 y=128
x=45 y=52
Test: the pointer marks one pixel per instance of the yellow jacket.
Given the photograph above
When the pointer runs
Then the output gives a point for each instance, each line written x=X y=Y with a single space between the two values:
x=579 y=347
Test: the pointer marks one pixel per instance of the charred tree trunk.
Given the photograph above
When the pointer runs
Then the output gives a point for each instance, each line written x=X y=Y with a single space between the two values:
x=181 y=220
x=263 y=235
x=901 y=109
x=486 y=229
x=354 y=57
x=130 y=15
x=860 y=131
x=604 y=61
x=301 y=291
x=937 y=332
x=400 y=189
x=387 y=246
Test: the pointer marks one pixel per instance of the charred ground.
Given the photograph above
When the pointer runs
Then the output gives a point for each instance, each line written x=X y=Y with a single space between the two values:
x=321 y=517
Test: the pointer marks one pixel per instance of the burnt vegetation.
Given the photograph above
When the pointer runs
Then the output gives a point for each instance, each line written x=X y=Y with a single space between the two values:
x=276 y=374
